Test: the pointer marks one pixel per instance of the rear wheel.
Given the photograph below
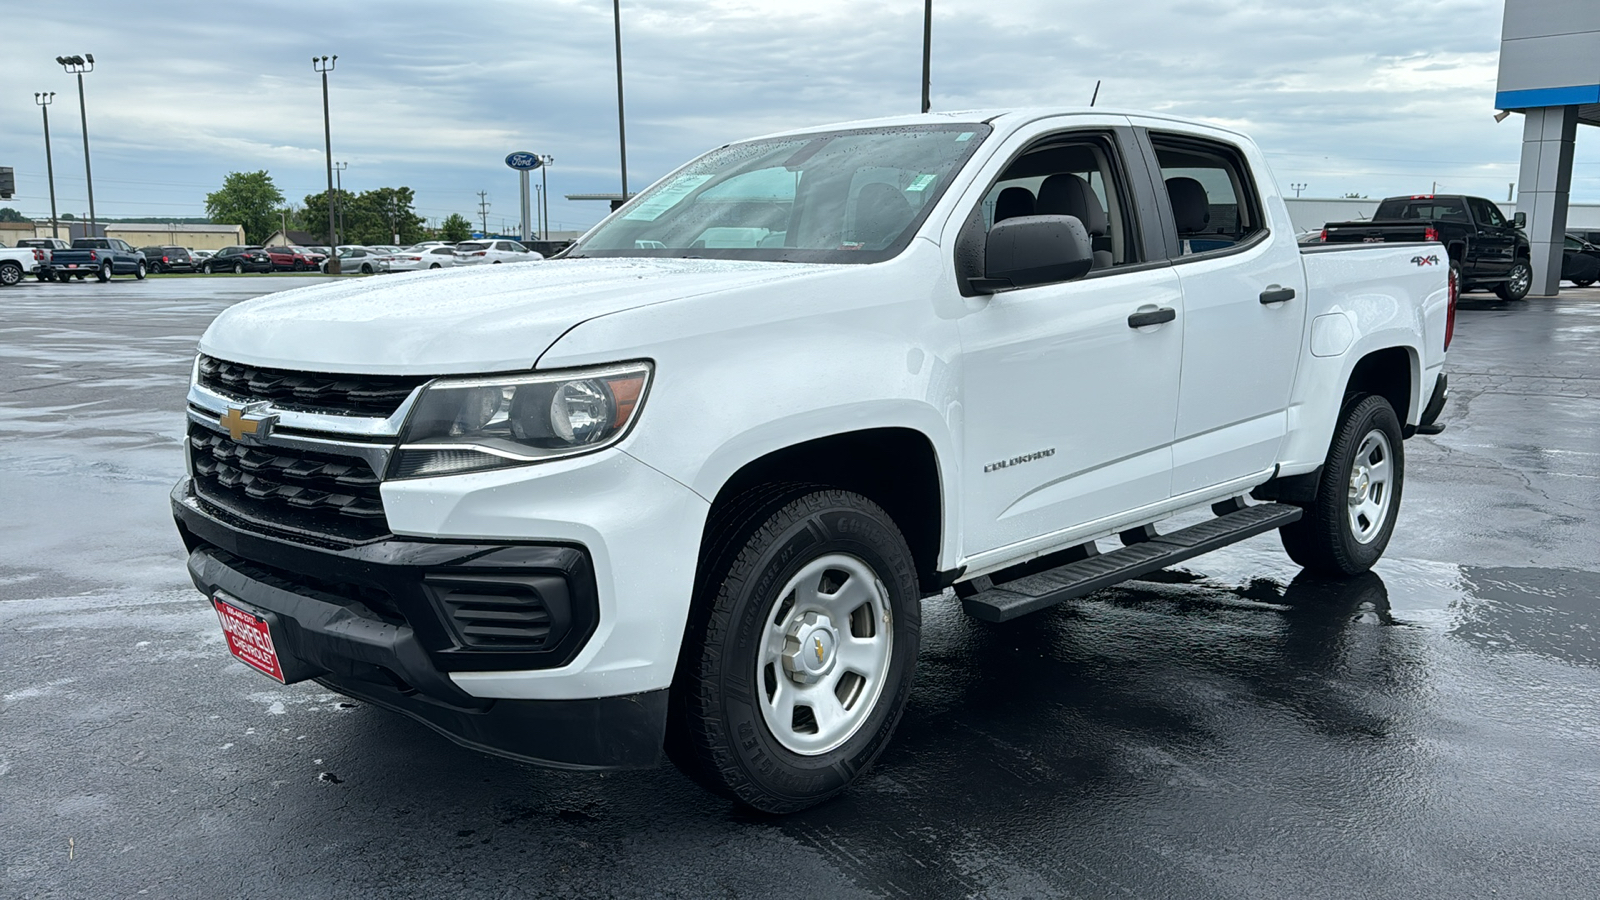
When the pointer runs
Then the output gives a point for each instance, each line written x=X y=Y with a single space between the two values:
x=10 y=274
x=1347 y=527
x=434 y=266
x=800 y=650
x=207 y=268
x=1583 y=282
x=366 y=268
x=1518 y=281
x=104 y=274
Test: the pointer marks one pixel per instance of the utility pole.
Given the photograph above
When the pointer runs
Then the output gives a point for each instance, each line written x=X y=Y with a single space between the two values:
x=78 y=65
x=338 y=178
x=324 y=65
x=927 y=54
x=622 y=130
x=44 y=100
x=483 y=211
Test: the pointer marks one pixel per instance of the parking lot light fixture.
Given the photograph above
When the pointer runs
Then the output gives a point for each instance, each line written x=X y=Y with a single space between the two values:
x=44 y=99
x=324 y=65
x=79 y=66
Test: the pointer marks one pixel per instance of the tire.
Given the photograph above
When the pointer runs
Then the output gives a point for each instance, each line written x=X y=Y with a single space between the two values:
x=207 y=269
x=299 y=266
x=10 y=274
x=80 y=275
x=238 y=268
x=1341 y=534
x=780 y=575
x=434 y=266
x=497 y=262
x=1583 y=282
x=366 y=268
x=42 y=277
x=104 y=274
x=1517 y=284
x=139 y=272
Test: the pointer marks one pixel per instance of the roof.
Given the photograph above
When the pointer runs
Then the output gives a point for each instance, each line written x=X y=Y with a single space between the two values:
x=169 y=226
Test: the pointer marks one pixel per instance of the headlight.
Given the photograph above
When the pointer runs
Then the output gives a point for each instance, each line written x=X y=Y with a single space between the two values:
x=466 y=425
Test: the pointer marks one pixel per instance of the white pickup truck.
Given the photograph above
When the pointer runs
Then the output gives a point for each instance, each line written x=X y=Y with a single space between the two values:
x=18 y=262
x=681 y=491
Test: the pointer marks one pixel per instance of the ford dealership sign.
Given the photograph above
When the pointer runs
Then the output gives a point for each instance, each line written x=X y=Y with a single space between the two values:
x=523 y=161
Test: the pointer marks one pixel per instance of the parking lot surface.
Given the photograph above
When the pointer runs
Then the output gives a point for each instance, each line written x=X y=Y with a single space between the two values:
x=1221 y=730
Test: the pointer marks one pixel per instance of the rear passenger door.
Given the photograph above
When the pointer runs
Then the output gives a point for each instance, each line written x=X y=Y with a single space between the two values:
x=1244 y=299
x=1067 y=409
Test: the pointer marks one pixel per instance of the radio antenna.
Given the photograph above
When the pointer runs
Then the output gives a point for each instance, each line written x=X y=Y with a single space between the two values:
x=1096 y=92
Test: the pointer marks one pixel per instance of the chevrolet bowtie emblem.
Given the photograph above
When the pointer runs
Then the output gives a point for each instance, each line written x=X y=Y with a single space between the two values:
x=819 y=649
x=243 y=420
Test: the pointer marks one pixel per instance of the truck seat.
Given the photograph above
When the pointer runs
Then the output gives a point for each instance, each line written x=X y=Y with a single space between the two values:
x=1066 y=194
x=1013 y=202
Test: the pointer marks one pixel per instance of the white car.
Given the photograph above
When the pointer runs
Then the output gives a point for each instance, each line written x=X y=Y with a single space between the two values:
x=414 y=259
x=355 y=260
x=477 y=253
x=682 y=492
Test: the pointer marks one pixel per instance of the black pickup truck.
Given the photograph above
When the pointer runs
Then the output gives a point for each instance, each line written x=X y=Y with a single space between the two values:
x=1485 y=250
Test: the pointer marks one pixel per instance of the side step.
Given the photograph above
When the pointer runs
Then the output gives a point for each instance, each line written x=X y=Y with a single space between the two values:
x=1148 y=553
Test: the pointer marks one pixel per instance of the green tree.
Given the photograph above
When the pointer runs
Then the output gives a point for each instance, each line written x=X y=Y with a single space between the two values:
x=7 y=214
x=455 y=228
x=249 y=199
x=383 y=213
x=313 y=216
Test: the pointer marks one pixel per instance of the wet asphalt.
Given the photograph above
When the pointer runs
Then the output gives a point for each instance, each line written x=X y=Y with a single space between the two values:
x=1226 y=729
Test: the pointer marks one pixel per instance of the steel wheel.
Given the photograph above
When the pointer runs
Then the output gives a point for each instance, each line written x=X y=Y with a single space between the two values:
x=825 y=654
x=1369 y=497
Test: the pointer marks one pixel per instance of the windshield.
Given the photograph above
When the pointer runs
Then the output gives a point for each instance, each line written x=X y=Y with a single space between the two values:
x=842 y=197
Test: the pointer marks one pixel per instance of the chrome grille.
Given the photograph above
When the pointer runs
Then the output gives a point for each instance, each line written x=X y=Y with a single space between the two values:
x=331 y=394
x=285 y=489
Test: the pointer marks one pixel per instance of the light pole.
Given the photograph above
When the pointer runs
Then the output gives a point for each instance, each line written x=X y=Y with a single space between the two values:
x=44 y=100
x=78 y=65
x=1298 y=187
x=544 y=194
x=338 y=175
x=927 y=53
x=324 y=65
x=622 y=130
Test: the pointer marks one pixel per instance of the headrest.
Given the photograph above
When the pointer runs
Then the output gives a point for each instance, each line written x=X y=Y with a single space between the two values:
x=1068 y=195
x=1191 y=209
x=882 y=212
x=1013 y=202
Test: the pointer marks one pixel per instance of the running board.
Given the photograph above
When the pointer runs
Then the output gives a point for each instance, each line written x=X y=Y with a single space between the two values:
x=1145 y=552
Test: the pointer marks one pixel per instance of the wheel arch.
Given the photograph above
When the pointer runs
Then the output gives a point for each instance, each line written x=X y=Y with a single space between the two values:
x=1391 y=373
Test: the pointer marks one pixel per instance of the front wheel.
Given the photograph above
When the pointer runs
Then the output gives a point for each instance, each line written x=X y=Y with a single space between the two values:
x=139 y=272
x=366 y=268
x=800 y=651
x=1347 y=527
x=1518 y=281
x=206 y=268
x=1583 y=282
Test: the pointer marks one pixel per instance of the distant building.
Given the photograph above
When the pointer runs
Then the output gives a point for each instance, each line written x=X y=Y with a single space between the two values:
x=195 y=237
x=11 y=232
x=292 y=238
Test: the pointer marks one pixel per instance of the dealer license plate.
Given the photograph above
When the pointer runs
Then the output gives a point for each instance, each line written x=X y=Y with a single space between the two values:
x=249 y=638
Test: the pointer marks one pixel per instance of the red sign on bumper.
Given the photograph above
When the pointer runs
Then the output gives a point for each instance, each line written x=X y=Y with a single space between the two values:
x=249 y=638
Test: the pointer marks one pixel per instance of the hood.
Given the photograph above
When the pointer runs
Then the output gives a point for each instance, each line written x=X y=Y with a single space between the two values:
x=457 y=321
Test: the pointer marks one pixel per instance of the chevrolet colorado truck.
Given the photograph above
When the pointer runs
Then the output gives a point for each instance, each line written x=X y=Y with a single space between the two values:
x=101 y=257
x=681 y=491
x=1486 y=250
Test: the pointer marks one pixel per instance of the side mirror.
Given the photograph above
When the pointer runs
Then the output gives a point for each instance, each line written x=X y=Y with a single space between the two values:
x=1520 y=219
x=1029 y=250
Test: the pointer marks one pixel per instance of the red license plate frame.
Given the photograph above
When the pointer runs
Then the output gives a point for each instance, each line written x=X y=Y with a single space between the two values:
x=248 y=635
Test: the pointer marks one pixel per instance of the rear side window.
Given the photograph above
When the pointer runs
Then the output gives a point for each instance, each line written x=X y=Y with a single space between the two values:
x=1214 y=203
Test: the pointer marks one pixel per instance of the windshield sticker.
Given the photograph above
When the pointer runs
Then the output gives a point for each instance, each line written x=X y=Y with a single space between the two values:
x=666 y=198
x=964 y=136
x=921 y=182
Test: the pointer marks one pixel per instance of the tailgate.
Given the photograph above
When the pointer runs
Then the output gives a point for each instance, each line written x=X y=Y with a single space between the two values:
x=1377 y=232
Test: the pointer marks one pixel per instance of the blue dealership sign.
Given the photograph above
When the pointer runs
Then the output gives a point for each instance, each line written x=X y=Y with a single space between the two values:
x=523 y=161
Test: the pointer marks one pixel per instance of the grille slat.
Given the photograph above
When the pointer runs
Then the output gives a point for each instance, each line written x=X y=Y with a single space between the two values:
x=494 y=612
x=298 y=490
x=317 y=392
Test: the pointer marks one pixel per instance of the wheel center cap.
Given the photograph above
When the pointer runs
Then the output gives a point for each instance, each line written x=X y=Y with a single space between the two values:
x=1360 y=485
x=809 y=647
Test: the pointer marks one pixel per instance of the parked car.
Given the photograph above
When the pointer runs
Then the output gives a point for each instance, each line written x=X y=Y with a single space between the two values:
x=475 y=253
x=238 y=260
x=441 y=257
x=102 y=257
x=168 y=258
x=1580 y=261
x=16 y=263
x=200 y=256
x=521 y=522
x=293 y=259
x=357 y=260
x=1485 y=250
x=49 y=246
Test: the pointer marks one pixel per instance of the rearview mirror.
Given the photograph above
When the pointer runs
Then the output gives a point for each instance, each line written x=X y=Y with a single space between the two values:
x=1520 y=219
x=1029 y=250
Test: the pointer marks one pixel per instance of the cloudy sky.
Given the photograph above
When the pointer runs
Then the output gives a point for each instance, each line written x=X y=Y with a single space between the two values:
x=1368 y=96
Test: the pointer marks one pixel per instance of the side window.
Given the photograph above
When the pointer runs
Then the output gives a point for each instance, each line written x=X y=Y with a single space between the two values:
x=1488 y=213
x=1214 y=203
x=1075 y=174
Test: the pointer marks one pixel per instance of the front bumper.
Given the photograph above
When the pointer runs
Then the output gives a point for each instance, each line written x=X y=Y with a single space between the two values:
x=381 y=622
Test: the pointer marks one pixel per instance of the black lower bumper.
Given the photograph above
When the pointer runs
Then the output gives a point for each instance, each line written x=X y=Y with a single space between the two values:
x=332 y=633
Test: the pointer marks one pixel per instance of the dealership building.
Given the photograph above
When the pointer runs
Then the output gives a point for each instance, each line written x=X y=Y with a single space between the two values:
x=1549 y=72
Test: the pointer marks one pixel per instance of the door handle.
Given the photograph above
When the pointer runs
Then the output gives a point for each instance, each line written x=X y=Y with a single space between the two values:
x=1153 y=317
x=1277 y=294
